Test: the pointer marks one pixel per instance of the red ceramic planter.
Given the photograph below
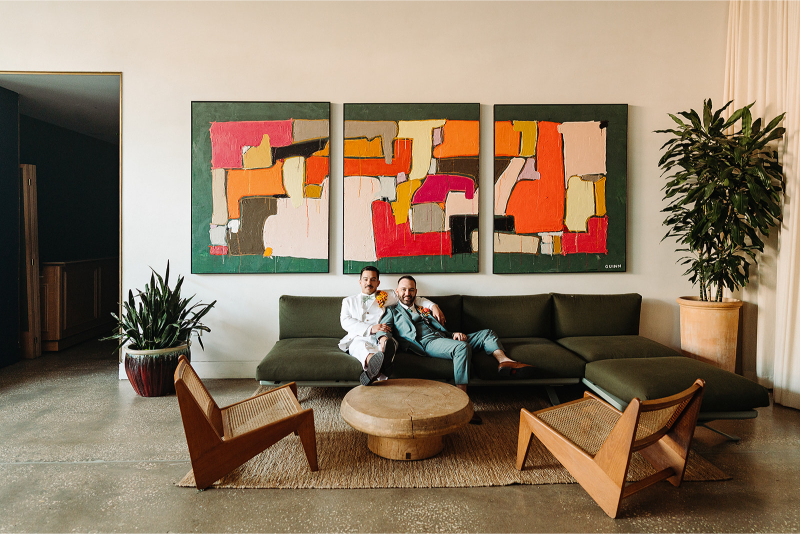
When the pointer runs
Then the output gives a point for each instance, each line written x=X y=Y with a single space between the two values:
x=151 y=372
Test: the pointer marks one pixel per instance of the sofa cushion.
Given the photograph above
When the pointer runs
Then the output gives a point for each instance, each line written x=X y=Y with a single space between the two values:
x=451 y=307
x=653 y=378
x=407 y=365
x=509 y=316
x=308 y=317
x=596 y=348
x=550 y=359
x=316 y=358
x=596 y=315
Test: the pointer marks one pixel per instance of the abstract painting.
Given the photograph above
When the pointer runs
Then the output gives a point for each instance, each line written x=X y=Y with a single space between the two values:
x=260 y=187
x=560 y=188
x=411 y=187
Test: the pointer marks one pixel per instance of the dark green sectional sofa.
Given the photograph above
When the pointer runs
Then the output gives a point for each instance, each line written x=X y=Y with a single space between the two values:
x=570 y=339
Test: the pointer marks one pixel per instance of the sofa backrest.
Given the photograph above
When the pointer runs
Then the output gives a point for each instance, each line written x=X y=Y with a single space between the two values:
x=451 y=307
x=509 y=316
x=309 y=317
x=596 y=315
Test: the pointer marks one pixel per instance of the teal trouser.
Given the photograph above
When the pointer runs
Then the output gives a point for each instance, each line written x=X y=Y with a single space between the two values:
x=461 y=351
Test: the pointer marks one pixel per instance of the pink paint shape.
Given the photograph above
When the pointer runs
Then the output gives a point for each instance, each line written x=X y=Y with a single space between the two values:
x=396 y=240
x=436 y=186
x=218 y=250
x=228 y=139
x=529 y=171
x=594 y=241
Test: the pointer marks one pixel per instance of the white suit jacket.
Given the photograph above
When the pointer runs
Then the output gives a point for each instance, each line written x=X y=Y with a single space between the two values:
x=357 y=321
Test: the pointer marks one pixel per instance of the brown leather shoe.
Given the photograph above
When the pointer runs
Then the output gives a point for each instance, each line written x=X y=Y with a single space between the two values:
x=514 y=369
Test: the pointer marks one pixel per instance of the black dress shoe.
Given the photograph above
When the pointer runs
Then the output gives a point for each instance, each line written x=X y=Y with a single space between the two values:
x=374 y=366
x=388 y=357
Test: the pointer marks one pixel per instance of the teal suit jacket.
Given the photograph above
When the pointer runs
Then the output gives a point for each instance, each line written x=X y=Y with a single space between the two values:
x=404 y=330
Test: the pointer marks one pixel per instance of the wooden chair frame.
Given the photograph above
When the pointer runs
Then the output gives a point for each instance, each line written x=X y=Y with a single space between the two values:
x=603 y=475
x=214 y=453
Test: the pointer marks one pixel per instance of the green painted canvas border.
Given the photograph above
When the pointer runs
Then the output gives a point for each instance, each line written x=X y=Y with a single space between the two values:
x=460 y=263
x=616 y=190
x=203 y=113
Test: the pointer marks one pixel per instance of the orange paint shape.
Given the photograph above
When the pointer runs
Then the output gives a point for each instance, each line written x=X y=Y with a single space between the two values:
x=378 y=166
x=252 y=183
x=363 y=148
x=317 y=169
x=506 y=139
x=538 y=205
x=459 y=138
x=325 y=152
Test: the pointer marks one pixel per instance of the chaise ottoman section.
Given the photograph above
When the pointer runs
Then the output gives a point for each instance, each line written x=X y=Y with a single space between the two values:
x=316 y=359
x=550 y=359
x=597 y=348
x=652 y=378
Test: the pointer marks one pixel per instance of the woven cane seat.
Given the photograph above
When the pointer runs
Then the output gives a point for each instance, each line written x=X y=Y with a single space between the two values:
x=259 y=411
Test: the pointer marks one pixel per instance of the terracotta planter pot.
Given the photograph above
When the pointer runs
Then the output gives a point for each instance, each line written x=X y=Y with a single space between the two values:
x=709 y=330
x=152 y=372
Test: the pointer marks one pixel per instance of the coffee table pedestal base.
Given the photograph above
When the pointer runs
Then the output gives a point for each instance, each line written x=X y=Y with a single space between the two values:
x=405 y=448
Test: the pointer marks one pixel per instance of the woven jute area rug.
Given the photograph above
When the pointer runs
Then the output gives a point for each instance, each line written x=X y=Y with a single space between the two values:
x=476 y=455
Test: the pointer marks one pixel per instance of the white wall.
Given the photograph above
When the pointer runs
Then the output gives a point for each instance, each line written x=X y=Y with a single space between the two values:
x=657 y=57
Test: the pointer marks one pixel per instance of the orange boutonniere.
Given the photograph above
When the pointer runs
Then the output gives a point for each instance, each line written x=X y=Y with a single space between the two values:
x=425 y=311
x=381 y=298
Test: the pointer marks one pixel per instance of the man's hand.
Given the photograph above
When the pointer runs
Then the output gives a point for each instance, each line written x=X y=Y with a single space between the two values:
x=458 y=336
x=438 y=314
x=380 y=328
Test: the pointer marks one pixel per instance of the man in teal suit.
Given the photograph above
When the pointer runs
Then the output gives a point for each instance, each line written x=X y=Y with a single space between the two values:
x=419 y=332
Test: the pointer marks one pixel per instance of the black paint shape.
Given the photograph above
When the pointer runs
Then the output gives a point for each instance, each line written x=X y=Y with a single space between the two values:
x=304 y=149
x=253 y=212
x=504 y=223
x=461 y=228
x=467 y=166
x=500 y=164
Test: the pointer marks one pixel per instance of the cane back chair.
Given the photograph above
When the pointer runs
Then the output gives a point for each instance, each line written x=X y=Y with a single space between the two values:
x=594 y=441
x=222 y=439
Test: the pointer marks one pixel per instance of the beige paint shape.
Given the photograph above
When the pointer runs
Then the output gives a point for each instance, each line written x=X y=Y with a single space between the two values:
x=301 y=231
x=526 y=244
x=219 y=198
x=307 y=130
x=584 y=148
x=504 y=185
x=579 y=205
x=457 y=203
x=359 y=235
x=421 y=135
x=258 y=157
x=474 y=238
x=428 y=217
x=294 y=171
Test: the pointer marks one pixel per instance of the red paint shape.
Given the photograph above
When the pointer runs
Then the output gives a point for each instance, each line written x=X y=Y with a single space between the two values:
x=436 y=186
x=593 y=241
x=396 y=240
x=538 y=205
x=317 y=169
x=218 y=250
x=228 y=139
x=378 y=166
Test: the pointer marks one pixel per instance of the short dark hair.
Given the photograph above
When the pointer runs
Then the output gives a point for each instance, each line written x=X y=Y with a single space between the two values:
x=371 y=268
x=407 y=277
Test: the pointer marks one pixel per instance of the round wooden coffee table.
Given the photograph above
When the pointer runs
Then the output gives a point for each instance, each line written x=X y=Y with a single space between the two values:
x=406 y=419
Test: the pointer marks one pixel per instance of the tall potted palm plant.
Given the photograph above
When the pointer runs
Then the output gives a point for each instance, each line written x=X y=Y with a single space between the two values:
x=724 y=193
x=154 y=334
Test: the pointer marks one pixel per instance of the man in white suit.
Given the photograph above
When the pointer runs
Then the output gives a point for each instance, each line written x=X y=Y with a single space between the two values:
x=360 y=317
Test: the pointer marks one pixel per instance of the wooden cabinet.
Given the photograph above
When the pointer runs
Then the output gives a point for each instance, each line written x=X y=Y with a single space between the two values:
x=77 y=299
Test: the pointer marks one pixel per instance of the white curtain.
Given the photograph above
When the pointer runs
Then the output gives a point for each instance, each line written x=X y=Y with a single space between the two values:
x=763 y=65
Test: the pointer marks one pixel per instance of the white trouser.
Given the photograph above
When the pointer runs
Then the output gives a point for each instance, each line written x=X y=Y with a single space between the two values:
x=363 y=346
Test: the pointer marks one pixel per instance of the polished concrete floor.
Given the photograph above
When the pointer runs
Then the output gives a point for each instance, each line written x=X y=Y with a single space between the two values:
x=79 y=451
